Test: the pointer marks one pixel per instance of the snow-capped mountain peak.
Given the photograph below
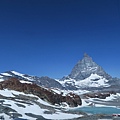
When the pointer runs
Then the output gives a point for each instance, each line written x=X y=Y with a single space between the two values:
x=85 y=67
x=86 y=74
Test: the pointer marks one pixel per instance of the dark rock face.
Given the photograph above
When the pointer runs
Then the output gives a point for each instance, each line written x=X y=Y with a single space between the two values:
x=75 y=99
x=99 y=95
x=85 y=67
x=47 y=82
x=45 y=94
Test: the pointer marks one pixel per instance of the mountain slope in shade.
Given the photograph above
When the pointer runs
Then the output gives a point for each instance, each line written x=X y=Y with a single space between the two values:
x=42 y=81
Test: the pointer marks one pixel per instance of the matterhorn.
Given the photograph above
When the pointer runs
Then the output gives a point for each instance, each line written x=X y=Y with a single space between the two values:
x=87 y=74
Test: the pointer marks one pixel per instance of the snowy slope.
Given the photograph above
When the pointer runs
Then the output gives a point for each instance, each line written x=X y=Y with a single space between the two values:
x=15 y=74
x=111 y=101
x=42 y=81
x=22 y=75
x=93 y=80
x=37 y=107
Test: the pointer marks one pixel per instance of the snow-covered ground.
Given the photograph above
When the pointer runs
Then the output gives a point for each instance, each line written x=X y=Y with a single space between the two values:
x=23 y=81
x=6 y=74
x=111 y=101
x=32 y=108
x=1 y=79
x=65 y=92
x=93 y=80
x=22 y=75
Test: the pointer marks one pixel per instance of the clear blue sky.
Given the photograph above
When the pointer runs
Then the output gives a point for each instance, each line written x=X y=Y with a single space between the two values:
x=48 y=37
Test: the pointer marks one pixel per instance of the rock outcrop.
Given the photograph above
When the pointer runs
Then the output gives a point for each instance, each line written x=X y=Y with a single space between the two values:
x=48 y=95
x=99 y=95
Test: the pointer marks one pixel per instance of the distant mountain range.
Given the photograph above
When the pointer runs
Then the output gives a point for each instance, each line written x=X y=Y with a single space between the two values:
x=42 y=81
x=86 y=74
x=33 y=97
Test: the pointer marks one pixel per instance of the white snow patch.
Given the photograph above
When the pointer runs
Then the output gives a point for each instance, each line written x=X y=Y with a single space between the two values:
x=80 y=92
x=23 y=81
x=60 y=115
x=7 y=93
x=97 y=102
x=57 y=91
x=112 y=96
x=22 y=75
x=6 y=74
x=35 y=109
x=17 y=73
x=1 y=80
x=93 y=81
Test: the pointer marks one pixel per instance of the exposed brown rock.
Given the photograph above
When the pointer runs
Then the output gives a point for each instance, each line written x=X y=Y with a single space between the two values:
x=99 y=95
x=73 y=99
x=45 y=94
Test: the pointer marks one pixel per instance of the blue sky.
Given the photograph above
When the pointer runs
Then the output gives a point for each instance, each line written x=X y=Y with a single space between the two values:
x=48 y=37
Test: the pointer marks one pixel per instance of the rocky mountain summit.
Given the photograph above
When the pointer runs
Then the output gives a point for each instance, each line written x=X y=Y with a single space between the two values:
x=87 y=74
x=85 y=67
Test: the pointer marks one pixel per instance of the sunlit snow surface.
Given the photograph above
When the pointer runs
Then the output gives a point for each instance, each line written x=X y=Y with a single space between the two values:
x=6 y=74
x=93 y=80
x=33 y=108
x=23 y=81
x=112 y=101
x=22 y=75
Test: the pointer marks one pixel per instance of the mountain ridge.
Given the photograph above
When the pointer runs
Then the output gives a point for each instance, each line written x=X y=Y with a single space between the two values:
x=42 y=81
x=85 y=67
x=85 y=74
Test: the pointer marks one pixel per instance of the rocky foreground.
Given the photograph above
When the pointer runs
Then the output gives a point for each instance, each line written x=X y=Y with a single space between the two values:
x=30 y=101
x=71 y=99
